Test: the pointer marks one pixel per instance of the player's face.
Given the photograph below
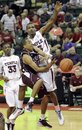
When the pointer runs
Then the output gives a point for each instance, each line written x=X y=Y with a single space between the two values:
x=28 y=46
x=7 y=49
x=31 y=30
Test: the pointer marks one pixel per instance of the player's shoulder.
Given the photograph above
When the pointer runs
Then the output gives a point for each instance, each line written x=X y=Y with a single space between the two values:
x=2 y=57
x=38 y=33
x=15 y=56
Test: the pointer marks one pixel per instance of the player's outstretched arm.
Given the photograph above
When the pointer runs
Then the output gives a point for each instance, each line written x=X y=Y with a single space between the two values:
x=53 y=18
x=40 y=52
x=28 y=60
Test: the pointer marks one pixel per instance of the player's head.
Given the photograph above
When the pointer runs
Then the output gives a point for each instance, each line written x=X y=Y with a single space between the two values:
x=6 y=48
x=2 y=122
x=27 y=45
x=31 y=30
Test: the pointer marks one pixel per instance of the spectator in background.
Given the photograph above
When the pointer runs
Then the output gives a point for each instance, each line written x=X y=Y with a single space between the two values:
x=67 y=45
x=8 y=21
x=75 y=86
x=18 y=22
x=40 y=11
x=6 y=8
x=68 y=19
x=60 y=18
x=19 y=39
x=67 y=39
x=58 y=56
x=1 y=11
x=50 y=10
x=27 y=13
x=74 y=2
x=77 y=36
x=36 y=21
x=25 y=22
x=76 y=58
x=7 y=37
x=80 y=21
x=68 y=34
x=44 y=17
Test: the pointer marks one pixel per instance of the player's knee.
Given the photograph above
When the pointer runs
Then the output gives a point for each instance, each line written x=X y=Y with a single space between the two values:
x=46 y=98
x=22 y=87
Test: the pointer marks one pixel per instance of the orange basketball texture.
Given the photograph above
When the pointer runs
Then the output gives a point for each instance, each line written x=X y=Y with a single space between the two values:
x=66 y=65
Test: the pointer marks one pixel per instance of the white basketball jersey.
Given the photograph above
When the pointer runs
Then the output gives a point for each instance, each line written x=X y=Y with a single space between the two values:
x=10 y=66
x=41 y=42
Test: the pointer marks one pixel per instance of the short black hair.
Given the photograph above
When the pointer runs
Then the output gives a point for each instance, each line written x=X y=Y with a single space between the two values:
x=29 y=24
x=4 y=43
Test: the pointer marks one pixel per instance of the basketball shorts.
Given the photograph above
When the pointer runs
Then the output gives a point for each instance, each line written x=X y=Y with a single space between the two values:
x=28 y=79
x=11 y=89
x=48 y=80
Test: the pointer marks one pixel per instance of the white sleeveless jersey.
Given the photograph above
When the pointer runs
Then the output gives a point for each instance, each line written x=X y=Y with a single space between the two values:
x=10 y=66
x=41 y=42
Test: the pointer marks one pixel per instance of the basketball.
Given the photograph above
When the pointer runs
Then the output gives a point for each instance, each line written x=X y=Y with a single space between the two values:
x=66 y=65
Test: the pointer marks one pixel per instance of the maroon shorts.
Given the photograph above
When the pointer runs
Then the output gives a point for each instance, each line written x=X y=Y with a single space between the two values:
x=30 y=81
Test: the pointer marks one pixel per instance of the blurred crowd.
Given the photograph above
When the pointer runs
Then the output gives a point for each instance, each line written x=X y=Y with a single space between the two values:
x=65 y=33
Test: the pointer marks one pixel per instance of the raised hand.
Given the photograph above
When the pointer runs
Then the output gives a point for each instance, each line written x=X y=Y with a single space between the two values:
x=58 y=6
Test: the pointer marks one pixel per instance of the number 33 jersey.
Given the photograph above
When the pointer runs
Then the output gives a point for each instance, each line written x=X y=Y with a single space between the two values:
x=10 y=66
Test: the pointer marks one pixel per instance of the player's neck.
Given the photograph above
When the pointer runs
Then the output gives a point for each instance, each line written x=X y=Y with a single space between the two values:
x=32 y=35
x=8 y=54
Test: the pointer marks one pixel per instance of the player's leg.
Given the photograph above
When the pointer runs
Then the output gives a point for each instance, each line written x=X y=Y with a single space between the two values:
x=25 y=81
x=9 y=95
x=34 y=85
x=54 y=100
x=35 y=90
x=42 y=120
x=48 y=81
x=19 y=109
x=10 y=123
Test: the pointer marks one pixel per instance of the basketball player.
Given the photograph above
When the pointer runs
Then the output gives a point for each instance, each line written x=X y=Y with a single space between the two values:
x=10 y=73
x=37 y=39
x=30 y=60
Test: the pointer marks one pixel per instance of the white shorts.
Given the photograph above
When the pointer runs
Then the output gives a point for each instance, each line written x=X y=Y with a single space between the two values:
x=48 y=79
x=11 y=89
